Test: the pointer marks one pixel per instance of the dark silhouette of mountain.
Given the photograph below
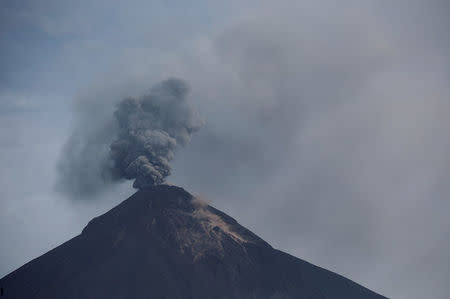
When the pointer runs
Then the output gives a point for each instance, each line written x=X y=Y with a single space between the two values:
x=163 y=243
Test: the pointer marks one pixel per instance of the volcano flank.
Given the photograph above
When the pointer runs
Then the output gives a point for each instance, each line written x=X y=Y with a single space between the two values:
x=164 y=243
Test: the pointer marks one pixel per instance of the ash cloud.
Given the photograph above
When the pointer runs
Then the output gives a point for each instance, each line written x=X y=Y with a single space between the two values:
x=137 y=143
x=150 y=129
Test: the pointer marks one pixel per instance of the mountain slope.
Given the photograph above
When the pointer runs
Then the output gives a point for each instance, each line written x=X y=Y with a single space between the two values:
x=163 y=243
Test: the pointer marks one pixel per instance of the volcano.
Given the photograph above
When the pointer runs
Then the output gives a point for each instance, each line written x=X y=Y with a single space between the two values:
x=164 y=243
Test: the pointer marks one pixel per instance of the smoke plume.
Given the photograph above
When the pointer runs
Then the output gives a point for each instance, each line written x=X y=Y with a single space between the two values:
x=150 y=129
x=136 y=143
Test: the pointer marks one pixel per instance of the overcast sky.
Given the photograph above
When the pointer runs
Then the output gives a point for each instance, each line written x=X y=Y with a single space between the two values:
x=326 y=123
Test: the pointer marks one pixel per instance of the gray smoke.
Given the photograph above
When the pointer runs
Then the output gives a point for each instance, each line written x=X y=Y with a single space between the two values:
x=150 y=129
x=137 y=142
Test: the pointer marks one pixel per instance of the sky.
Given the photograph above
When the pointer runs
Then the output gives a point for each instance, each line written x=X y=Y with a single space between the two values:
x=326 y=124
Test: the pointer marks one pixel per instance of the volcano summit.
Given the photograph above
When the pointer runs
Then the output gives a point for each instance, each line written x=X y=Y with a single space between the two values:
x=164 y=243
